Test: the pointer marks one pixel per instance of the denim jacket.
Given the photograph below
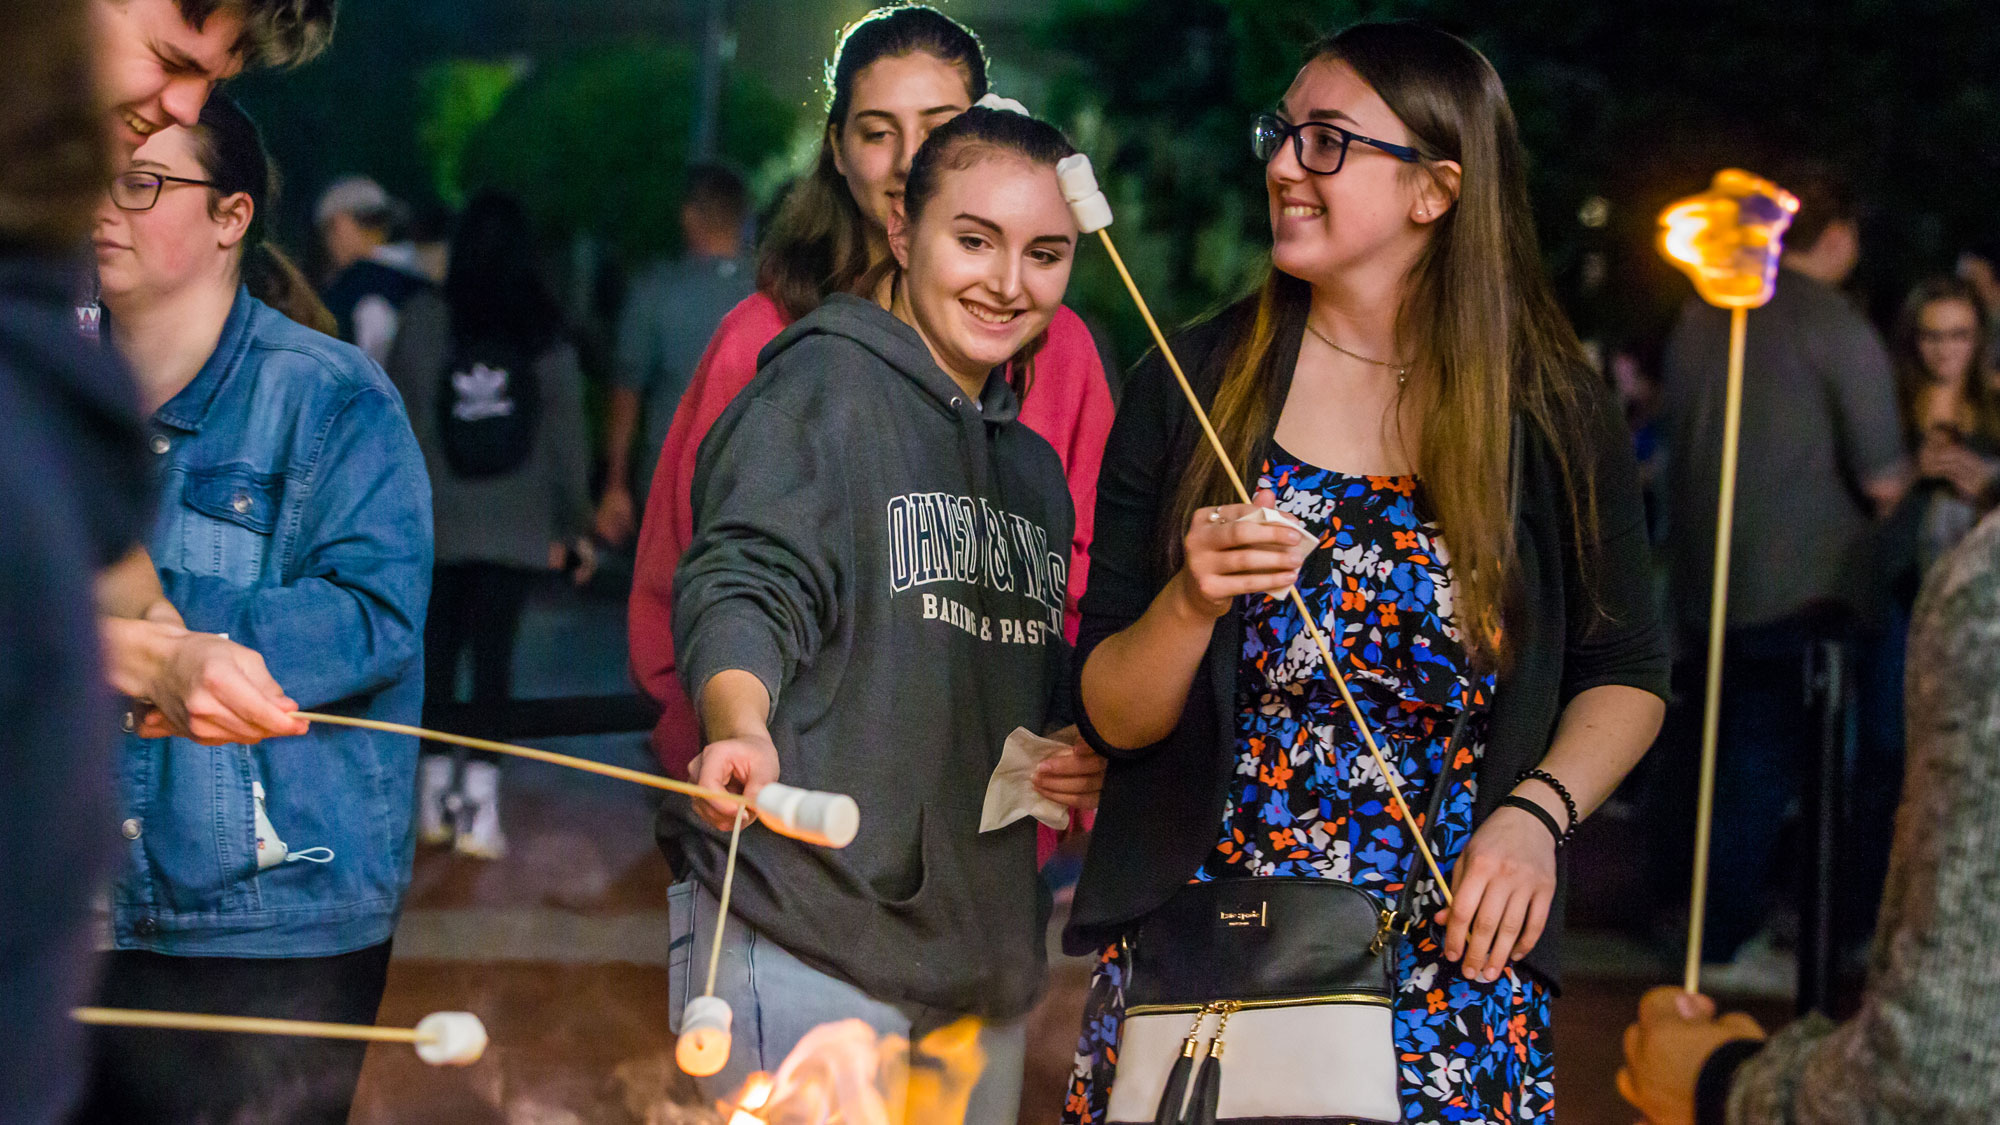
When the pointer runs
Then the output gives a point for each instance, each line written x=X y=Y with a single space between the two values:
x=295 y=518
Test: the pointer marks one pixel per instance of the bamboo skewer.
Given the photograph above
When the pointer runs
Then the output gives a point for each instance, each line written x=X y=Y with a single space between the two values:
x=825 y=819
x=1389 y=775
x=1711 y=709
x=247 y=1025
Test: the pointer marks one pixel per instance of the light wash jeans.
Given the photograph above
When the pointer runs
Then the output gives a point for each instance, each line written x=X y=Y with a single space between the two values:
x=777 y=999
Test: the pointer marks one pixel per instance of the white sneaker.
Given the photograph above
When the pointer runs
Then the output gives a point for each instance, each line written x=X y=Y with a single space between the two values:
x=479 y=834
x=1760 y=969
x=433 y=790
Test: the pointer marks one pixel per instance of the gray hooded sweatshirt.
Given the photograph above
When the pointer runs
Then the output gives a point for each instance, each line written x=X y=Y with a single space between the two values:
x=889 y=558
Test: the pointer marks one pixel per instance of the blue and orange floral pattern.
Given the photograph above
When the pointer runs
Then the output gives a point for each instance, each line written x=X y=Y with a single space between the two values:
x=1308 y=799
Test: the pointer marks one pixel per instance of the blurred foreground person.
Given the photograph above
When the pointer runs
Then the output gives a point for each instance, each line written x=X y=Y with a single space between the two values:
x=1925 y=1047
x=72 y=500
x=496 y=398
x=295 y=517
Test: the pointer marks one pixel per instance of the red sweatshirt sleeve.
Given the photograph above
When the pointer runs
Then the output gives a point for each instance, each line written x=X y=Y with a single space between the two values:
x=726 y=367
x=1070 y=406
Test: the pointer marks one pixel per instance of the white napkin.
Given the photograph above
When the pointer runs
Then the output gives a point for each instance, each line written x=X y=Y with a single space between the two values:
x=1011 y=794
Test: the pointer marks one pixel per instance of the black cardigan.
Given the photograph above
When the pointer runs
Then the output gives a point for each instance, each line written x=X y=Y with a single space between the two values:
x=1162 y=804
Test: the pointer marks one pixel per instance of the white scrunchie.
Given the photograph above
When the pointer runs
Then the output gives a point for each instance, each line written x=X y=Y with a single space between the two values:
x=995 y=101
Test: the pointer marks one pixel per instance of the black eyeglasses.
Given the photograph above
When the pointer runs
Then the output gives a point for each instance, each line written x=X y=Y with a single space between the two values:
x=139 y=191
x=1320 y=147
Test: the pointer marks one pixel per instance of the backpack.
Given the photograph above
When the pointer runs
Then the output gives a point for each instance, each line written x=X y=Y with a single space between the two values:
x=488 y=404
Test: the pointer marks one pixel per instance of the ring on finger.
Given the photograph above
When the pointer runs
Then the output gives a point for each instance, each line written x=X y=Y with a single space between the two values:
x=1215 y=515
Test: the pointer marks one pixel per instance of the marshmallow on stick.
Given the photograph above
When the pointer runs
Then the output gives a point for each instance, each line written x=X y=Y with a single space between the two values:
x=829 y=820
x=440 y=1039
x=1092 y=212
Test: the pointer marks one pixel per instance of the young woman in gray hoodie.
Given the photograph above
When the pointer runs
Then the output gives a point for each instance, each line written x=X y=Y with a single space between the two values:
x=872 y=601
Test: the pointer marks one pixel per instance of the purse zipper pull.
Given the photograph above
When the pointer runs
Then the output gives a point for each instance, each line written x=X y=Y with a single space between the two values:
x=1174 y=1097
x=1391 y=923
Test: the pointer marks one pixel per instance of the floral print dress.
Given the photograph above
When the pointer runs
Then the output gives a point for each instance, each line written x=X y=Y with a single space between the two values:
x=1307 y=798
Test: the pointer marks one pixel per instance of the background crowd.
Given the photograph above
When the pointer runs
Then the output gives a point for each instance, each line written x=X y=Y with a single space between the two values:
x=552 y=354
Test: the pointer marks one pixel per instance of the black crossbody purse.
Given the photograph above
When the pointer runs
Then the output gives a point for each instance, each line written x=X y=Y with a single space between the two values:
x=1295 y=974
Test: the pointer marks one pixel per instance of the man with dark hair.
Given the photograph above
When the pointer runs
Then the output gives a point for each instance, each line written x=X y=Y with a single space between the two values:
x=158 y=59
x=1822 y=459
x=672 y=311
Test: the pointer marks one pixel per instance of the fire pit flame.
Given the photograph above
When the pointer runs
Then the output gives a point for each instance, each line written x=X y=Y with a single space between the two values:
x=845 y=1073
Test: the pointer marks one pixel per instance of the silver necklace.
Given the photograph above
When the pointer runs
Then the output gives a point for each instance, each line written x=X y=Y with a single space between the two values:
x=1402 y=370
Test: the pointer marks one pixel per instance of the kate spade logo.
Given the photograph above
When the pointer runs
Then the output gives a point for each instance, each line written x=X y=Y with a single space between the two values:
x=1236 y=919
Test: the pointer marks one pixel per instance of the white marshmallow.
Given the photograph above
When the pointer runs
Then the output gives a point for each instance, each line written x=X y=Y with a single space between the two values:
x=1087 y=204
x=995 y=101
x=1273 y=515
x=827 y=819
x=451 y=1039
x=703 y=1047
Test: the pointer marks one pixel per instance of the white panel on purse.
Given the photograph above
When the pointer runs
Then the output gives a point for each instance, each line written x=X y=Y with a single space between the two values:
x=1307 y=1060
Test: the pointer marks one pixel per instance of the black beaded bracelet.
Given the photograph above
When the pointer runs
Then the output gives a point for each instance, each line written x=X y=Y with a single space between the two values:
x=1516 y=801
x=1569 y=803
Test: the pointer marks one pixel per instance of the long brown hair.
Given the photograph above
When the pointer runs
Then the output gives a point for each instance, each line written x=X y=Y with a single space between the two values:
x=1980 y=407
x=819 y=243
x=55 y=153
x=1489 y=341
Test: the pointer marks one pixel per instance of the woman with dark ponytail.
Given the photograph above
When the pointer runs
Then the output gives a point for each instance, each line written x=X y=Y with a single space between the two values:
x=294 y=519
x=900 y=72
x=873 y=603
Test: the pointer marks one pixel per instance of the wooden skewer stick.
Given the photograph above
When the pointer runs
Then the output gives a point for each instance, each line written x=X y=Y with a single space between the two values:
x=249 y=1025
x=1312 y=626
x=1711 y=707
x=826 y=819
x=639 y=777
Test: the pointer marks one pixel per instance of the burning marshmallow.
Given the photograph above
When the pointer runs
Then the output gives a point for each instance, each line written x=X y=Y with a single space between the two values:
x=829 y=820
x=1086 y=200
x=703 y=1047
x=451 y=1039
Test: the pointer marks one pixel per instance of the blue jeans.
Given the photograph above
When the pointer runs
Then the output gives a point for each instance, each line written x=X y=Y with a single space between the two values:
x=777 y=999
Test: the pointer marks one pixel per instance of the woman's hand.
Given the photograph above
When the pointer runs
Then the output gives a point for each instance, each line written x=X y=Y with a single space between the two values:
x=1968 y=474
x=1072 y=778
x=1228 y=557
x=744 y=764
x=1501 y=893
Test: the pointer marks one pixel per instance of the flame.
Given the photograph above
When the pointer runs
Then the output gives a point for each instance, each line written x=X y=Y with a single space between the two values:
x=1729 y=238
x=755 y=1096
x=845 y=1073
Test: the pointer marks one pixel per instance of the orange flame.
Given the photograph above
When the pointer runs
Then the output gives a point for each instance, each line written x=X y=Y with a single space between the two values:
x=845 y=1072
x=1729 y=238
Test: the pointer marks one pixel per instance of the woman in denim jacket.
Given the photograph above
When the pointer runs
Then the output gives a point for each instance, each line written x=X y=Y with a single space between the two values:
x=294 y=518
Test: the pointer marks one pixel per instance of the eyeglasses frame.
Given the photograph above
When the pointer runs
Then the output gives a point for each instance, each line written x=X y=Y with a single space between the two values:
x=1296 y=134
x=161 y=180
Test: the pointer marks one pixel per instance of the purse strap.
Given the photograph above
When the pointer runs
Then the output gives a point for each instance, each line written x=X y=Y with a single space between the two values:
x=1401 y=916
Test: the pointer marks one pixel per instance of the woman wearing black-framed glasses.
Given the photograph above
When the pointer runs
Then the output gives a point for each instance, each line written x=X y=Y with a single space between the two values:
x=1406 y=388
x=140 y=191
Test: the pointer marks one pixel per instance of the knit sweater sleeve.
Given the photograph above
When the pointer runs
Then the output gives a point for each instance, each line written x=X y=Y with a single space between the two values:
x=1923 y=1046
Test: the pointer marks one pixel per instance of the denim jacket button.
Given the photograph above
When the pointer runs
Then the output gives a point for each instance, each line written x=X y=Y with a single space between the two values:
x=145 y=927
x=241 y=504
x=131 y=828
x=161 y=444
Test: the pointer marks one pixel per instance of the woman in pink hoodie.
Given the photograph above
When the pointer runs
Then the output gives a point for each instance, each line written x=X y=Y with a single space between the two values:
x=898 y=73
